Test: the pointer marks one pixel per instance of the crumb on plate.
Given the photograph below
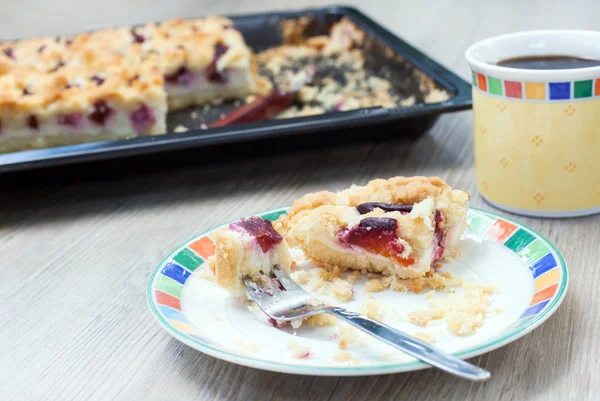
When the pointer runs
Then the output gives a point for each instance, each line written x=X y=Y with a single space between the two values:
x=298 y=351
x=463 y=313
x=372 y=309
x=425 y=337
x=347 y=335
x=249 y=346
x=319 y=281
x=342 y=356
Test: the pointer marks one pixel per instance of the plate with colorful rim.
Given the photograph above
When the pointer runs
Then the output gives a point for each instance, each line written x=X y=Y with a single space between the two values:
x=528 y=270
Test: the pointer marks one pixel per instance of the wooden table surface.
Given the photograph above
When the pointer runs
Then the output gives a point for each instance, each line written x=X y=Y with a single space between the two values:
x=77 y=249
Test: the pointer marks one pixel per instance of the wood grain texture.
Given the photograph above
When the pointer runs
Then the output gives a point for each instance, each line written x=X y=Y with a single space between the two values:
x=76 y=253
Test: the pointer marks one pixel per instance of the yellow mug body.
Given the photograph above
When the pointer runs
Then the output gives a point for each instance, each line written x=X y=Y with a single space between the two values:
x=537 y=132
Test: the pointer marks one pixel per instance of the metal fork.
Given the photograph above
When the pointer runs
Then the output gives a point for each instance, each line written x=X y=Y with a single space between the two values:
x=284 y=300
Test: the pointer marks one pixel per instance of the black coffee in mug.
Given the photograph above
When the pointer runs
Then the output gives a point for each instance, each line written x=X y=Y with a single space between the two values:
x=549 y=62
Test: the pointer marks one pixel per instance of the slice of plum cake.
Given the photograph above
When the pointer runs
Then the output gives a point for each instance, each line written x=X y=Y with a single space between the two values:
x=401 y=227
x=247 y=247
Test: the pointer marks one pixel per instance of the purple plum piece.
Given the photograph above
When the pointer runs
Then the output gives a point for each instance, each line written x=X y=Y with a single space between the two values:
x=70 y=120
x=262 y=230
x=9 y=52
x=182 y=76
x=142 y=118
x=379 y=223
x=101 y=113
x=33 y=123
x=365 y=208
x=97 y=80
x=137 y=37
x=212 y=73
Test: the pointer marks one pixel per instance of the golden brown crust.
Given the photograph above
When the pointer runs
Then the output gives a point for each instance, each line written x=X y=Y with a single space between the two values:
x=314 y=222
x=237 y=254
x=46 y=76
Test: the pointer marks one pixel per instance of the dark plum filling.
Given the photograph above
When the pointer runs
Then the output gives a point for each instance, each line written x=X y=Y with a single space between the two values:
x=26 y=91
x=57 y=67
x=71 y=85
x=97 y=80
x=142 y=119
x=8 y=52
x=70 y=120
x=41 y=49
x=32 y=122
x=182 y=76
x=262 y=230
x=439 y=233
x=101 y=112
x=439 y=237
x=376 y=235
x=212 y=73
x=138 y=38
x=365 y=208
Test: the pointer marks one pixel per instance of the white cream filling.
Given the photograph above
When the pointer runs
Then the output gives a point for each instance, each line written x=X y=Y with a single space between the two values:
x=366 y=255
x=254 y=259
x=118 y=123
x=235 y=79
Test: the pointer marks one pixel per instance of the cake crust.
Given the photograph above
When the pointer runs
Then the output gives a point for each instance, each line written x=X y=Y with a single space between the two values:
x=429 y=232
x=238 y=254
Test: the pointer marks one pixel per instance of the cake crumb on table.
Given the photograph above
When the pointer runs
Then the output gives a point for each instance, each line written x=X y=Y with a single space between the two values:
x=342 y=356
x=194 y=115
x=203 y=126
x=180 y=128
x=298 y=351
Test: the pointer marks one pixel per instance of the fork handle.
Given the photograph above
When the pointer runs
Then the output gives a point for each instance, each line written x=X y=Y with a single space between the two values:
x=412 y=346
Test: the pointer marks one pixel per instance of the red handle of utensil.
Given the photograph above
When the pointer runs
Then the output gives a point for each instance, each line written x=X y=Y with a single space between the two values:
x=260 y=109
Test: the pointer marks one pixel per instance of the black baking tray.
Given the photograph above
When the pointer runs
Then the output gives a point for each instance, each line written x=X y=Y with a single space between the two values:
x=388 y=55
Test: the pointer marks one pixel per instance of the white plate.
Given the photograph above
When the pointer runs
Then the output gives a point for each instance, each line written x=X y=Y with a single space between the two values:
x=529 y=271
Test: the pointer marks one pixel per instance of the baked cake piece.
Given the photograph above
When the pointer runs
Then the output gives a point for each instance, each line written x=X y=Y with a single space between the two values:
x=401 y=227
x=75 y=105
x=117 y=83
x=204 y=60
x=247 y=247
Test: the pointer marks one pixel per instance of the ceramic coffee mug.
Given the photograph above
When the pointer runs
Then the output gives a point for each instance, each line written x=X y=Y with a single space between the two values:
x=537 y=132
